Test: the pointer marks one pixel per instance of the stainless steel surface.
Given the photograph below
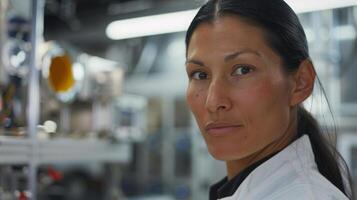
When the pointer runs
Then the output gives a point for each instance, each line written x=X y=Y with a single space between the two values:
x=37 y=21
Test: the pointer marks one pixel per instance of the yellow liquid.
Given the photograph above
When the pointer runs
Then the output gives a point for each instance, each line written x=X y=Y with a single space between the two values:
x=60 y=74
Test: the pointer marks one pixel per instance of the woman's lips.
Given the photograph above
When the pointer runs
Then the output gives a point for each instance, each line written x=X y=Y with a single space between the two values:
x=220 y=129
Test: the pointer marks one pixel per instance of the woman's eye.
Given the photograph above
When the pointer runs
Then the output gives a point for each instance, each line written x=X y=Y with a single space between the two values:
x=199 y=75
x=243 y=70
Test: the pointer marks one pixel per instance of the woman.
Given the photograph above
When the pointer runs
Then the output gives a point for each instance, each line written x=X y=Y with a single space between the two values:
x=249 y=73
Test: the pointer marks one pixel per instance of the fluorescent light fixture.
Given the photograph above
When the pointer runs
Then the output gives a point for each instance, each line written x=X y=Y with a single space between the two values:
x=179 y=21
x=150 y=25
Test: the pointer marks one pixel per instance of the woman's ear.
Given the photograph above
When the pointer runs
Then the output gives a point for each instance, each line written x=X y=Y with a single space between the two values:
x=303 y=85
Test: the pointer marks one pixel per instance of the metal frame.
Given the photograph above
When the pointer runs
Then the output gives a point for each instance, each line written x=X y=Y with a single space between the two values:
x=54 y=151
x=37 y=21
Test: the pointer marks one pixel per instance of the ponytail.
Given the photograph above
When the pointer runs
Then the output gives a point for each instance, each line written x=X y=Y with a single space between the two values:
x=329 y=162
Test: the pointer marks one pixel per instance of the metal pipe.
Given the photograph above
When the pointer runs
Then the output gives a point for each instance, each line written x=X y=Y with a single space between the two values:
x=3 y=29
x=33 y=106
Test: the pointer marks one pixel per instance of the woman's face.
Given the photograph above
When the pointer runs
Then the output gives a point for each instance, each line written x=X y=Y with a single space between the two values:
x=237 y=89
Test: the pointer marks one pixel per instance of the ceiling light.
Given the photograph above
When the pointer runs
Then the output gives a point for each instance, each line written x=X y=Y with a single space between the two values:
x=150 y=25
x=179 y=21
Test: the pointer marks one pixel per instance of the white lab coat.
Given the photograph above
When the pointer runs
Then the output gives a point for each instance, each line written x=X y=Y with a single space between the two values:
x=291 y=174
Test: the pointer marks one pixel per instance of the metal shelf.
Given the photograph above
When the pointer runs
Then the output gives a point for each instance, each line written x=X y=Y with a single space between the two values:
x=69 y=150
x=62 y=150
x=15 y=150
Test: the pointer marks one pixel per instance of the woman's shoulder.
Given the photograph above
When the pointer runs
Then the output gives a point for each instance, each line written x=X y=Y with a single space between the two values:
x=308 y=186
x=291 y=174
x=307 y=191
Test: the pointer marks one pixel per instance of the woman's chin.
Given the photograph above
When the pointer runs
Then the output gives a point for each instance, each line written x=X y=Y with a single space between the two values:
x=223 y=154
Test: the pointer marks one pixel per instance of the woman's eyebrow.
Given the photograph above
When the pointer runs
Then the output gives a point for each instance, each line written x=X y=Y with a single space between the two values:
x=226 y=58
x=196 y=62
x=240 y=52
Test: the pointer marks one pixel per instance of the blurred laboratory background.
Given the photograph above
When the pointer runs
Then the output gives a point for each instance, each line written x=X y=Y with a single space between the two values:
x=92 y=97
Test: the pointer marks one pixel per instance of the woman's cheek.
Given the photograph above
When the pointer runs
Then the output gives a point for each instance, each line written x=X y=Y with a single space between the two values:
x=195 y=97
x=255 y=87
x=253 y=99
x=263 y=105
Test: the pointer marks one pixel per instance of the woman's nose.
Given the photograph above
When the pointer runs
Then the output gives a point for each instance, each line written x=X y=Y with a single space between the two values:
x=218 y=97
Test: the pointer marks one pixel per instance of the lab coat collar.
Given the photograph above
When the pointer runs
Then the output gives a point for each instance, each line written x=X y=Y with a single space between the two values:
x=298 y=154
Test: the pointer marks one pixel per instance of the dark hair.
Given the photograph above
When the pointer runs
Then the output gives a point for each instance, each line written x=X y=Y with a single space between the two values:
x=285 y=35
